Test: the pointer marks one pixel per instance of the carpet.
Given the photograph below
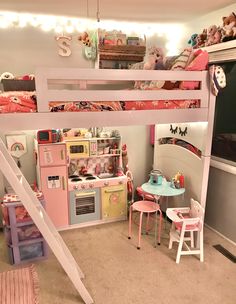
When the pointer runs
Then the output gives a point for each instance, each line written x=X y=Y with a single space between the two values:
x=19 y=286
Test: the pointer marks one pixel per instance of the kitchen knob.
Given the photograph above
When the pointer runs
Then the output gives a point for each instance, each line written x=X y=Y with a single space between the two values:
x=106 y=183
x=91 y=185
x=75 y=187
x=121 y=182
x=83 y=186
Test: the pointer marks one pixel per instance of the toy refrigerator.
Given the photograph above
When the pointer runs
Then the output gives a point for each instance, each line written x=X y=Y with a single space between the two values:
x=52 y=179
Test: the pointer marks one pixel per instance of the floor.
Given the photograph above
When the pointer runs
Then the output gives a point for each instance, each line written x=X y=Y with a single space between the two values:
x=117 y=273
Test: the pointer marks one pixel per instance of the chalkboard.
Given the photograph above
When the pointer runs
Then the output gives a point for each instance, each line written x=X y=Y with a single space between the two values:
x=224 y=135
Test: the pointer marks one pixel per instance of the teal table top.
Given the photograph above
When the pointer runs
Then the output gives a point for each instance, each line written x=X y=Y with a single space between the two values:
x=163 y=190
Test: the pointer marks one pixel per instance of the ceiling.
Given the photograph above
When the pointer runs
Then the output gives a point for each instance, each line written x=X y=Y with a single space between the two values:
x=129 y=10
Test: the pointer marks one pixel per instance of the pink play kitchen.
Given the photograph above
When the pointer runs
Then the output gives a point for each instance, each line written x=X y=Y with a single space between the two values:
x=79 y=172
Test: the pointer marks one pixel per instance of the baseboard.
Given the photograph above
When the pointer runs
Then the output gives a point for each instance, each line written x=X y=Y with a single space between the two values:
x=223 y=236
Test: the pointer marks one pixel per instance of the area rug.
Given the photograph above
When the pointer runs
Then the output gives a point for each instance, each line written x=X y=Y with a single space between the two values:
x=19 y=286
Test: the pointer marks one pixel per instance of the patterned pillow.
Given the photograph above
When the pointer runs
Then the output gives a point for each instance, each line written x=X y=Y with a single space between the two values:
x=199 y=63
x=183 y=59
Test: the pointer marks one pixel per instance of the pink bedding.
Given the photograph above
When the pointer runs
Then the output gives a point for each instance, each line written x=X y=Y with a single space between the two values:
x=89 y=106
x=18 y=101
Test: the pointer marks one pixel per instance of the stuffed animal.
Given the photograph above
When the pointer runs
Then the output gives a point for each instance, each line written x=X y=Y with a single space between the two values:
x=153 y=60
x=229 y=27
x=201 y=39
x=6 y=75
x=193 y=40
x=85 y=39
x=213 y=35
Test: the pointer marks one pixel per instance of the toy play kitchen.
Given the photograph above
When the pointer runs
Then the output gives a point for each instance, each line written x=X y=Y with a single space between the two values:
x=81 y=178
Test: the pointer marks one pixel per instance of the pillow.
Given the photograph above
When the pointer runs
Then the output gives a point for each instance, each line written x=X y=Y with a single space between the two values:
x=179 y=63
x=183 y=59
x=199 y=63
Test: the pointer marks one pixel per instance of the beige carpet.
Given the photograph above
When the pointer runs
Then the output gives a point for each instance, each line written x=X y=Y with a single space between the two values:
x=19 y=286
x=117 y=273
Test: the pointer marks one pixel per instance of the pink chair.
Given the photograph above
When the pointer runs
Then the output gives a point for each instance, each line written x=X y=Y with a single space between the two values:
x=147 y=207
x=144 y=195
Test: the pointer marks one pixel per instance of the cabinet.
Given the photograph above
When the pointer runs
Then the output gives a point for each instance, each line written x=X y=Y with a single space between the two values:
x=52 y=181
x=119 y=56
x=114 y=201
x=24 y=240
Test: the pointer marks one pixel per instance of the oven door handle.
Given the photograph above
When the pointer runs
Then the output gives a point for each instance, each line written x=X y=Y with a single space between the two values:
x=93 y=193
x=114 y=190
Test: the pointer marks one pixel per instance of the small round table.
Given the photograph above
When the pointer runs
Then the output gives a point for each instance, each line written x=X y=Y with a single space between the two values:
x=164 y=189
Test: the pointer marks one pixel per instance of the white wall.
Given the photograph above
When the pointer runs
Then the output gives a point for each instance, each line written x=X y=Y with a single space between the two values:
x=22 y=50
x=197 y=25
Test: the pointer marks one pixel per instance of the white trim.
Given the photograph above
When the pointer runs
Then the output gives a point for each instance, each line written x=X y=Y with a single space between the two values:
x=220 y=234
x=221 y=164
x=93 y=223
x=222 y=52
x=221 y=46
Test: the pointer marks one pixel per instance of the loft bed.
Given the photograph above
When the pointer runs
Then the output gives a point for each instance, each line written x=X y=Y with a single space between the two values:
x=73 y=85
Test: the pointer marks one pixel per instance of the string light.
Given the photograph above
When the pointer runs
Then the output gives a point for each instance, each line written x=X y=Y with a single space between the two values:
x=61 y=24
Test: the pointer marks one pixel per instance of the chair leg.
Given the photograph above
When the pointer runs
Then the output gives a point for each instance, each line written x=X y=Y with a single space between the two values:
x=130 y=221
x=201 y=246
x=181 y=241
x=171 y=240
x=140 y=229
x=192 y=238
x=147 y=223
x=160 y=227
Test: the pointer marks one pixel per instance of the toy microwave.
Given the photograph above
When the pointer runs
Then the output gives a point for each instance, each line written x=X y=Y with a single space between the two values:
x=48 y=136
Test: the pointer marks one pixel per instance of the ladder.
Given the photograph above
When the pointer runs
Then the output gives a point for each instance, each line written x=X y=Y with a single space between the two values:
x=28 y=198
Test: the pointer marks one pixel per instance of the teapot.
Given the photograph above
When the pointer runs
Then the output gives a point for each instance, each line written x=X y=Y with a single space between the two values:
x=156 y=177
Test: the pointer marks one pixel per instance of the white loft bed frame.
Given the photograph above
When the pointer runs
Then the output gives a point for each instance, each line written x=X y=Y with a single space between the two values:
x=45 y=119
x=81 y=77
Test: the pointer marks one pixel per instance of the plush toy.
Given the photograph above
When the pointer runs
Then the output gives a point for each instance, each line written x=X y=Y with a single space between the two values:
x=153 y=61
x=28 y=77
x=229 y=27
x=6 y=75
x=193 y=40
x=213 y=35
x=85 y=39
x=201 y=39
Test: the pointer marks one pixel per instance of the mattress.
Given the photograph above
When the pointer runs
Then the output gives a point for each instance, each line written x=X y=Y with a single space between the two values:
x=90 y=106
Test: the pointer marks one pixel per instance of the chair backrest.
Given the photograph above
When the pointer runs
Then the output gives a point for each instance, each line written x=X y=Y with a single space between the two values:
x=196 y=209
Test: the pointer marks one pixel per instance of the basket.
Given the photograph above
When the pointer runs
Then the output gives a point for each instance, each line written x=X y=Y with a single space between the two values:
x=18 y=85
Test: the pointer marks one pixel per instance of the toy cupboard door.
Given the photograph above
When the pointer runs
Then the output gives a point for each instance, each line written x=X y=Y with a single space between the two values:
x=114 y=203
x=52 y=155
x=54 y=188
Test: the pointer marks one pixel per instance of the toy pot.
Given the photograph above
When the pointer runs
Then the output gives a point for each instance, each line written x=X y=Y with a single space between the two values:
x=156 y=177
